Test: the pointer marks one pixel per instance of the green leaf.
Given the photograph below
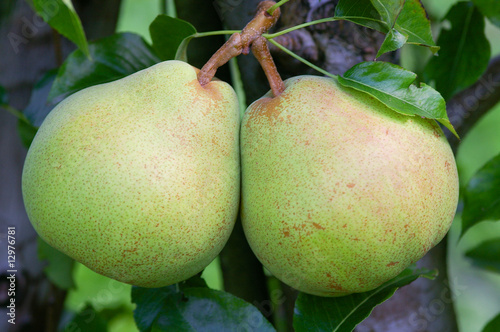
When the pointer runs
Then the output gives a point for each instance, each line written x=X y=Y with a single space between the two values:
x=113 y=58
x=413 y=22
x=4 y=103
x=39 y=106
x=59 y=269
x=394 y=87
x=168 y=33
x=194 y=309
x=37 y=109
x=149 y=303
x=464 y=53
x=397 y=18
x=101 y=292
x=361 y=12
x=4 y=99
x=6 y=7
x=182 y=50
x=88 y=319
x=393 y=41
x=24 y=128
x=493 y=325
x=482 y=195
x=486 y=255
x=26 y=132
x=61 y=15
x=344 y=313
x=490 y=9
x=388 y=10
x=196 y=281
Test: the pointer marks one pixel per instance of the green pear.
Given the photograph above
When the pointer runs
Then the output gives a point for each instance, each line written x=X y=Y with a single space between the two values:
x=138 y=179
x=340 y=193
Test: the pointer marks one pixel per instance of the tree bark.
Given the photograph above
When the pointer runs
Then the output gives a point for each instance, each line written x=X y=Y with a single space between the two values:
x=469 y=105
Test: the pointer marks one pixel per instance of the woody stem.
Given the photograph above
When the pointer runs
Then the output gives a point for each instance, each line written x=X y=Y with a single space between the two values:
x=240 y=42
x=261 y=52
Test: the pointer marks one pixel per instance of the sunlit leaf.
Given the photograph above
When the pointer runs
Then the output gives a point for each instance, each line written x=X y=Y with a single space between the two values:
x=61 y=15
x=413 y=23
x=393 y=41
x=394 y=87
x=388 y=10
x=402 y=21
x=361 y=12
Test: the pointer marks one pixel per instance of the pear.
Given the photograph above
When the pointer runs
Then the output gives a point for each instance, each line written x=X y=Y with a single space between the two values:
x=138 y=179
x=340 y=193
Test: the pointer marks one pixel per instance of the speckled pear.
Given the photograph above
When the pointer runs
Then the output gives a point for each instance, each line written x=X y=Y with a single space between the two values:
x=340 y=193
x=138 y=179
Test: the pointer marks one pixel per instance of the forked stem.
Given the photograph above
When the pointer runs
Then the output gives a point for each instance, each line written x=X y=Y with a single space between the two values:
x=230 y=49
x=261 y=52
x=238 y=43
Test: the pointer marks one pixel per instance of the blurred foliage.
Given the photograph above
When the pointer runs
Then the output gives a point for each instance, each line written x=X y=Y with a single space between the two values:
x=6 y=7
x=481 y=195
x=137 y=15
x=59 y=267
x=464 y=54
x=106 y=296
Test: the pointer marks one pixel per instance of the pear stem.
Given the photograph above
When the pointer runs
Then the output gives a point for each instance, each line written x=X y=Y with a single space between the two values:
x=240 y=43
x=230 y=49
x=261 y=52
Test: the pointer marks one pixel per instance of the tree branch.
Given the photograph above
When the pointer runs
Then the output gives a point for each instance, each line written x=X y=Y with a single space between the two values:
x=469 y=105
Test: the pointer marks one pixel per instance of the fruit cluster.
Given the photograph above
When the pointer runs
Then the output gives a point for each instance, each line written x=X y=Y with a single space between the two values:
x=139 y=179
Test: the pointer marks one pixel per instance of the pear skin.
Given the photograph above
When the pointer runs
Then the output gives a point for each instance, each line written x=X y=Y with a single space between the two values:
x=340 y=193
x=138 y=179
